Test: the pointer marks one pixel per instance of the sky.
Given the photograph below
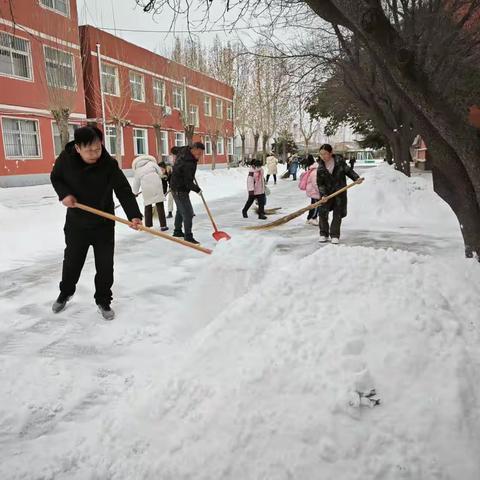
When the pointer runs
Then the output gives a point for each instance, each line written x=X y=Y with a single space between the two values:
x=124 y=18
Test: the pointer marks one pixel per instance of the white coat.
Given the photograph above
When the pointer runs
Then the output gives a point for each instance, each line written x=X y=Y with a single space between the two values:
x=148 y=178
x=272 y=163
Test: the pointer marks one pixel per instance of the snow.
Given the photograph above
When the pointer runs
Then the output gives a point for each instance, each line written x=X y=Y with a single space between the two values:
x=245 y=364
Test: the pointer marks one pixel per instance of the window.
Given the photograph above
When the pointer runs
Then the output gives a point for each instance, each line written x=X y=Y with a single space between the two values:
x=230 y=111
x=178 y=98
x=137 y=87
x=57 y=142
x=194 y=120
x=208 y=146
x=207 y=105
x=140 y=141
x=179 y=139
x=230 y=146
x=164 y=144
x=15 y=57
x=219 y=108
x=110 y=79
x=20 y=138
x=60 y=6
x=159 y=92
x=60 y=69
x=220 y=146
x=111 y=140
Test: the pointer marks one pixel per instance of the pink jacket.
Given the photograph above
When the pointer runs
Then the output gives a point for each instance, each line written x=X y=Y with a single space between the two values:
x=312 y=187
x=256 y=181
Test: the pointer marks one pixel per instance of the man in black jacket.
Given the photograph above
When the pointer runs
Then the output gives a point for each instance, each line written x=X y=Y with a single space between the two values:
x=331 y=176
x=86 y=173
x=181 y=183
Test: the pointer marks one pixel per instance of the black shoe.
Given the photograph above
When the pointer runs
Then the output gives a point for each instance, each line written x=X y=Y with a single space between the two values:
x=163 y=229
x=106 y=311
x=262 y=217
x=60 y=303
x=244 y=213
x=169 y=215
x=178 y=233
x=190 y=239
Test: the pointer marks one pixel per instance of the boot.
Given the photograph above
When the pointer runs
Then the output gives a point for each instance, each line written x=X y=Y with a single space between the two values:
x=164 y=229
x=190 y=239
x=244 y=213
x=60 y=303
x=106 y=311
x=262 y=217
x=178 y=233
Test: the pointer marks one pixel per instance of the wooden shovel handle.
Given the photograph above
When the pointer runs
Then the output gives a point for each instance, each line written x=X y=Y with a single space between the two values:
x=143 y=228
x=209 y=213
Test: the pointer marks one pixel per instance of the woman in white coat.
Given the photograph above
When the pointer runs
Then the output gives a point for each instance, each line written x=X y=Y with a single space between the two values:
x=272 y=168
x=148 y=179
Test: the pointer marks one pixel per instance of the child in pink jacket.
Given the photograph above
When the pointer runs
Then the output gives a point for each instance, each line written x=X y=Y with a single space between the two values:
x=312 y=189
x=256 y=189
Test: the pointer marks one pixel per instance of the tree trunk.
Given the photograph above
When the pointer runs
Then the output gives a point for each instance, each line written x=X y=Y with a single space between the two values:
x=388 y=153
x=284 y=150
x=307 y=142
x=264 y=146
x=118 y=144
x=256 y=137
x=189 y=131
x=214 y=154
x=158 y=141
x=243 y=137
x=401 y=153
x=61 y=119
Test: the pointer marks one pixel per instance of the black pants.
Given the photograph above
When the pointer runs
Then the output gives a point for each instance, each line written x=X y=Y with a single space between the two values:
x=261 y=199
x=274 y=178
x=313 y=213
x=149 y=215
x=184 y=213
x=334 y=229
x=78 y=241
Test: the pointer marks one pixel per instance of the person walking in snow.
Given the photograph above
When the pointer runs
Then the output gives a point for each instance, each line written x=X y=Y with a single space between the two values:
x=332 y=175
x=312 y=189
x=85 y=172
x=256 y=190
x=181 y=183
x=272 y=168
x=293 y=168
x=173 y=152
x=148 y=180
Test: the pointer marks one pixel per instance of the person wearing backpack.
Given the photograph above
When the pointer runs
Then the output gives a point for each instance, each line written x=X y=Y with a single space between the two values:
x=256 y=190
x=308 y=183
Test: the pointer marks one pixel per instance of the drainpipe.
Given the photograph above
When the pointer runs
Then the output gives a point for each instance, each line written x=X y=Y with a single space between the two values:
x=101 y=89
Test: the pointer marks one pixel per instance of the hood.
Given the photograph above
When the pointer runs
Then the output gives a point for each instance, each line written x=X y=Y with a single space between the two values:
x=143 y=160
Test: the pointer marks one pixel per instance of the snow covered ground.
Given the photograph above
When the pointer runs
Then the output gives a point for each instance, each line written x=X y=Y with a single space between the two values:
x=245 y=364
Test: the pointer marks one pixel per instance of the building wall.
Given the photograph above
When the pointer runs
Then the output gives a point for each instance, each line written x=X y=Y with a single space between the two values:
x=31 y=99
x=125 y=58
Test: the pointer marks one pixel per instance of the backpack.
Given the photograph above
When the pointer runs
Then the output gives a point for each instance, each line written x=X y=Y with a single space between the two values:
x=302 y=183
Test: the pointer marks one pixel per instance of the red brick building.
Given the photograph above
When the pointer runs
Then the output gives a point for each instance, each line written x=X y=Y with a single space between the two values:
x=144 y=95
x=49 y=64
x=40 y=70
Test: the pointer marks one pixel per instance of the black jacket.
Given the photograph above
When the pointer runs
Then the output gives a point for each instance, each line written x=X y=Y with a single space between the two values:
x=183 y=174
x=92 y=185
x=329 y=183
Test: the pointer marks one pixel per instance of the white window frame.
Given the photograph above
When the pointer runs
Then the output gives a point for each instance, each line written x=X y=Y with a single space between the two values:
x=183 y=139
x=208 y=145
x=157 y=81
x=72 y=66
x=54 y=124
x=117 y=81
x=229 y=111
x=218 y=102
x=53 y=9
x=142 y=84
x=220 y=142
x=106 y=136
x=207 y=100
x=28 y=54
x=39 y=138
x=194 y=115
x=230 y=146
x=145 y=138
x=177 y=92
x=164 y=148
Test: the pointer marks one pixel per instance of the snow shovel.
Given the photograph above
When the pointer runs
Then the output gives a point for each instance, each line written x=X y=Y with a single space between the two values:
x=143 y=228
x=291 y=216
x=217 y=234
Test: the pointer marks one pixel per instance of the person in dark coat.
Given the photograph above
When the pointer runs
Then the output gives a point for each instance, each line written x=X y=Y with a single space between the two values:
x=85 y=172
x=331 y=176
x=182 y=182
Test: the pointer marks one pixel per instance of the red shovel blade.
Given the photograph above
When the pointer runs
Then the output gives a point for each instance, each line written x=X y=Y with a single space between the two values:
x=219 y=235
